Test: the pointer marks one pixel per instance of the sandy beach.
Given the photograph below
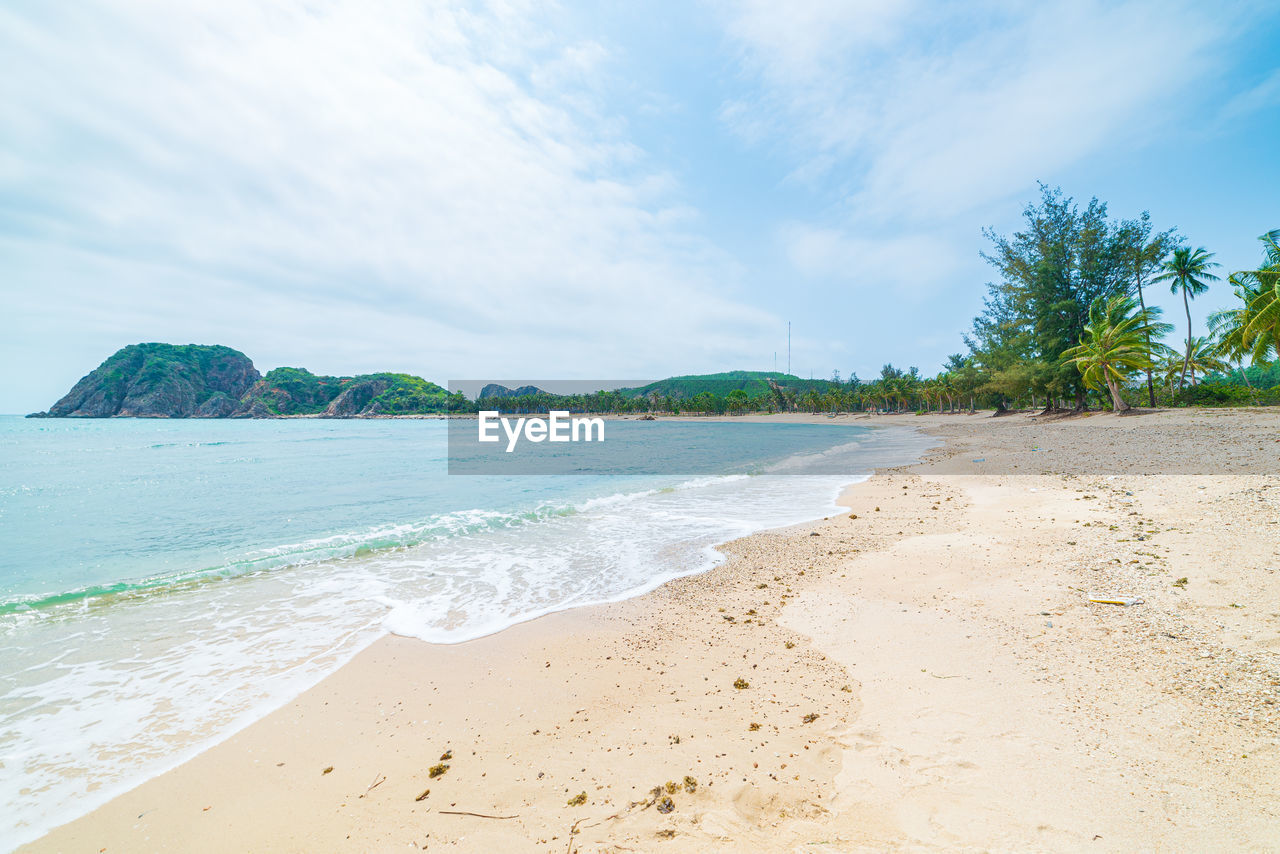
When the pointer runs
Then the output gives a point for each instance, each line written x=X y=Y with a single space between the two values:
x=922 y=671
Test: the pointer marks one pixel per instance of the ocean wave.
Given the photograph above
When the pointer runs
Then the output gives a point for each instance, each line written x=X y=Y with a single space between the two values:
x=376 y=541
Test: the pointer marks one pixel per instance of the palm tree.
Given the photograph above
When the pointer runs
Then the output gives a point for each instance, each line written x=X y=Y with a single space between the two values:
x=1252 y=329
x=1188 y=271
x=1114 y=344
x=1261 y=333
x=1146 y=253
x=966 y=376
x=868 y=398
x=833 y=400
x=946 y=385
x=884 y=394
x=930 y=391
x=902 y=388
x=1205 y=359
x=1228 y=328
x=1169 y=367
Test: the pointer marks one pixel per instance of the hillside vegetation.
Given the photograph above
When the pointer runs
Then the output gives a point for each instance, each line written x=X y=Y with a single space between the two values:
x=753 y=383
x=170 y=380
x=199 y=381
x=297 y=391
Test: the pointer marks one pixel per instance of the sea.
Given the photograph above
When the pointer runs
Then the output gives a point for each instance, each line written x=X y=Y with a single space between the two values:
x=164 y=583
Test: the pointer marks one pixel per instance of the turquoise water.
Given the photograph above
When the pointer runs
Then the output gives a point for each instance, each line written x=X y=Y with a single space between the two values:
x=163 y=583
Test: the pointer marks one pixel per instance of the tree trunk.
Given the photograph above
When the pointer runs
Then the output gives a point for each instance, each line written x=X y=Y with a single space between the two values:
x=1151 y=388
x=1117 y=402
x=1082 y=405
x=1245 y=375
x=1186 y=302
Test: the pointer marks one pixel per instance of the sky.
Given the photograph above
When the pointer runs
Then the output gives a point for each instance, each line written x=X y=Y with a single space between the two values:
x=591 y=189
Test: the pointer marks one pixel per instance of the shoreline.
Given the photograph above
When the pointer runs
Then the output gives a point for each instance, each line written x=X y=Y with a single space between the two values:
x=210 y=737
x=677 y=642
x=392 y=647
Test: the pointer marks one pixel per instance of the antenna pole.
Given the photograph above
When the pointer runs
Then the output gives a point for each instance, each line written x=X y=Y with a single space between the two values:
x=788 y=347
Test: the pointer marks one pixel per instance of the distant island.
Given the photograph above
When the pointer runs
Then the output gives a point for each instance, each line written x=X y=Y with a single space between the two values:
x=496 y=391
x=211 y=381
x=199 y=381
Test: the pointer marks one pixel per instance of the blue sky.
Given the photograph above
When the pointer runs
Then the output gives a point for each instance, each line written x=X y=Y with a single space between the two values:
x=590 y=189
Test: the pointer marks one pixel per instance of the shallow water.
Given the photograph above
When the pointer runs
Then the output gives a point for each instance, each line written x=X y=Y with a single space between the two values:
x=163 y=583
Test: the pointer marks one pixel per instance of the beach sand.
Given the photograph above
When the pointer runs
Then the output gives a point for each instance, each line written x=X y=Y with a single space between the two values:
x=967 y=695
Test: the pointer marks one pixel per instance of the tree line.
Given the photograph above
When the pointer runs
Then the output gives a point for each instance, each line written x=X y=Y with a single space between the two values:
x=1068 y=317
x=1066 y=324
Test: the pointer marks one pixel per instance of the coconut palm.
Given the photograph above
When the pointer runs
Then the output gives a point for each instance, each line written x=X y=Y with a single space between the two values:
x=1146 y=252
x=1187 y=270
x=1169 y=368
x=1227 y=328
x=1230 y=327
x=811 y=400
x=1260 y=290
x=833 y=400
x=1205 y=358
x=869 y=396
x=930 y=391
x=1252 y=329
x=904 y=388
x=1262 y=333
x=1114 y=344
x=885 y=394
x=736 y=400
x=946 y=385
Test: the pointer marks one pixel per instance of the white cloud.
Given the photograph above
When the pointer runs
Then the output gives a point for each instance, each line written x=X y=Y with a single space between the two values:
x=917 y=122
x=797 y=43
x=913 y=126
x=428 y=178
x=929 y=115
x=1262 y=96
x=915 y=263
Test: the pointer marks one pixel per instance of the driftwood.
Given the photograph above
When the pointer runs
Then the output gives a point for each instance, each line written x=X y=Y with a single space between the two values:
x=476 y=814
x=573 y=831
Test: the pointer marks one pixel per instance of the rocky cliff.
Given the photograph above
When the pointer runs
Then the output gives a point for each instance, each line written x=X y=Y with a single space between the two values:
x=296 y=391
x=162 y=381
x=496 y=390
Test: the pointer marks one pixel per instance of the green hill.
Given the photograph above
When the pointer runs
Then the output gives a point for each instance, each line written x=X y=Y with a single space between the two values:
x=752 y=382
x=297 y=391
x=198 y=381
x=161 y=381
